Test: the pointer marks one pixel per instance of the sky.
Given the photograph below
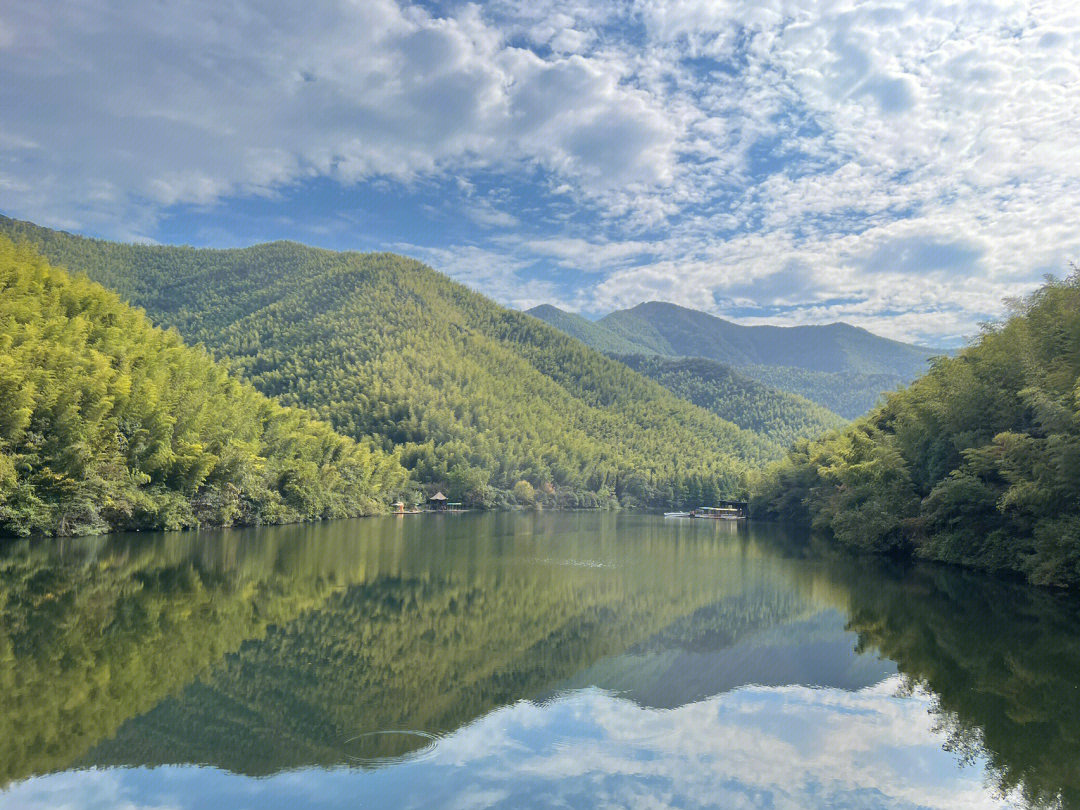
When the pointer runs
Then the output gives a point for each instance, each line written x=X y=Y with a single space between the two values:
x=902 y=166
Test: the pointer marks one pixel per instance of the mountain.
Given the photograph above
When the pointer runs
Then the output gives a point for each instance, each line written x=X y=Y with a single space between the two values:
x=676 y=331
x=477 y=397
x=748 y=403
x=110 y=423
x=976 y=463
x=842 y=367
x=588 y=332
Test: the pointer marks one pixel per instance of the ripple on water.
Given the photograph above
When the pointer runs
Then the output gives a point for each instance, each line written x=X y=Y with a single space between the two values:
x=380 y=749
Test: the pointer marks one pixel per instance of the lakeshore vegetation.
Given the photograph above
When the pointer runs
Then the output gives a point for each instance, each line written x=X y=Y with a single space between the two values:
x=110 y=423
x=291 y=383
x=976 y=463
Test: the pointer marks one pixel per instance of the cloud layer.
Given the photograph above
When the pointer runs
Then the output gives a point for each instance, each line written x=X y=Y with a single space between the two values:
x=903 y=166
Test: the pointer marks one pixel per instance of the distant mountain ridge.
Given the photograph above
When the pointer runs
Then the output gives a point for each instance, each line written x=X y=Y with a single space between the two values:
x=844 y=368
x=588 y=332
x=837 y=347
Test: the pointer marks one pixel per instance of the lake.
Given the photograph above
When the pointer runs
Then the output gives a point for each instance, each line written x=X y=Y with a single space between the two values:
x=519 y=660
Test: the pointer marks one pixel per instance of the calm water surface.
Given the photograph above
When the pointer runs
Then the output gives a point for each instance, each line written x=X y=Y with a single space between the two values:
x=517 y=661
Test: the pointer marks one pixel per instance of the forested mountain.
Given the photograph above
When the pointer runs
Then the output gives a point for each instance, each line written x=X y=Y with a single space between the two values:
x=977 y=462
x=839 y=366
x=107 y=422
x=477 y=397
x=846 y=393
x=676 y=331
x=748 y=403
x=588 y=332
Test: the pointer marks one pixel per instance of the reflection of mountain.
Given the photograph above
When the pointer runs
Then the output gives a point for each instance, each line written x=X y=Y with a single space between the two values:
x=89 y=641
x=667 y=671
x=260 y=650
x=265 y=649
x=434 y=652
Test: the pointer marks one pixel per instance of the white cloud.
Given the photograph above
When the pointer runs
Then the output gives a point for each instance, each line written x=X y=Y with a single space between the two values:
x=190 y=104
x=779 y=168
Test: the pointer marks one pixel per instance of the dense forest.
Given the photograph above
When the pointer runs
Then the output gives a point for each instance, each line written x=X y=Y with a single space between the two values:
x=840 y=367
x=976 y=463
x=748 y=403
x=110 y=423
x=847 y=393
x=588 y=332
x=483 y=401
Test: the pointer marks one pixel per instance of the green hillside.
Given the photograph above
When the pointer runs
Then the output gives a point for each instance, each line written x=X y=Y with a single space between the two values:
x=976 y=463
x=588 y=332
x=110 y=423
x=477 y=397
x=748 y=403
x=840 y=367
x=676 y=331
x=846 y=393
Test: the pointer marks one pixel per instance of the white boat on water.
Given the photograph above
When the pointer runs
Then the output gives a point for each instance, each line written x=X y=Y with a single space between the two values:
x=719 y=513
x=677 y=514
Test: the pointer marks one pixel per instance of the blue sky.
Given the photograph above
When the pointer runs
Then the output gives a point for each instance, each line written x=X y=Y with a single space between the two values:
x=900 y=166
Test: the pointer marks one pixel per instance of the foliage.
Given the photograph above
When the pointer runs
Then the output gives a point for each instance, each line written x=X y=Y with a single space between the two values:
x=977 y=462
x=524 y=493
x=109 y=423
x=847 y=393
x=747 y=403
x=841 y=367
x=588 y=332
x=386 y=349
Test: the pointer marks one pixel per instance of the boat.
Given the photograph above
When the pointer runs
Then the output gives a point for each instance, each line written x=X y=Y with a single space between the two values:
x=677 y=514
x=719 y=513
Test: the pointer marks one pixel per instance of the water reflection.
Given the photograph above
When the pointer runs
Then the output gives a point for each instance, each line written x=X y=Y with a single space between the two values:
x=587 y=658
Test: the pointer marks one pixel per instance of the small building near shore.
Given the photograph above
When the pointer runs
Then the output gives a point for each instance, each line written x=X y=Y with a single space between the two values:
x=437 y=501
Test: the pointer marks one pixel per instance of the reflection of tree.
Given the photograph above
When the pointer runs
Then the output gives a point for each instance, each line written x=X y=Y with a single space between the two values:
x=284 y=642
x=432 y=648
x=1002 y=660
x=89 y=642
x=260 y=649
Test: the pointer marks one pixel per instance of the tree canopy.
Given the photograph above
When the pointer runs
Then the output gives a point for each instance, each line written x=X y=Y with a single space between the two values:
x=977 y=462
x=110 y=423
x=474 y=396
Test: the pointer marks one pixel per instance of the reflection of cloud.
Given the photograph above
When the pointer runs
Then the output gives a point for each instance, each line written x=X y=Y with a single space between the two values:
x=789 y=747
